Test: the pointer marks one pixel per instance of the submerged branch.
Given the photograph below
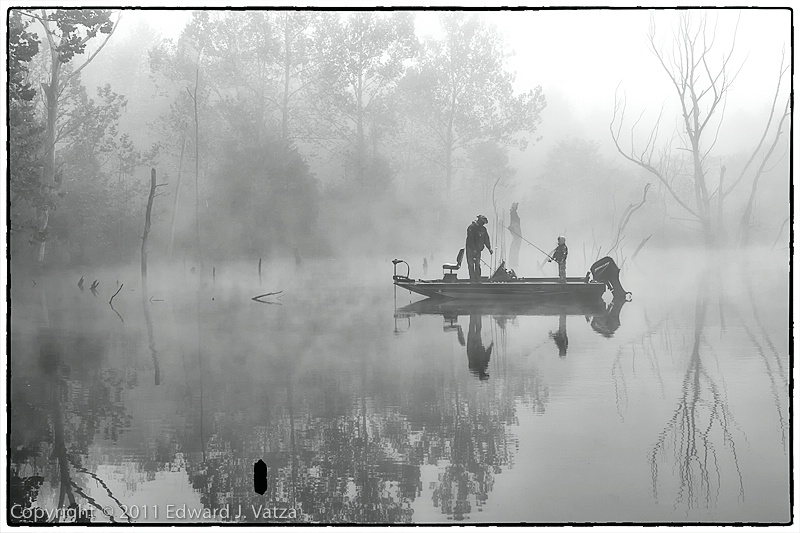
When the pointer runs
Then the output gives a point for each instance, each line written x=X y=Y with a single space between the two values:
x=120 y=288
x=259 y=300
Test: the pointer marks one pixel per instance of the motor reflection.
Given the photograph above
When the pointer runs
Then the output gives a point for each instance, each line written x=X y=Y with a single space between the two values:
x=607 y=323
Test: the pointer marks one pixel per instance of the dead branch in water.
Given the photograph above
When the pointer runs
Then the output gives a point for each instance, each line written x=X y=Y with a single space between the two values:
x=120 y=288
x=117 y=312
x=259 y=300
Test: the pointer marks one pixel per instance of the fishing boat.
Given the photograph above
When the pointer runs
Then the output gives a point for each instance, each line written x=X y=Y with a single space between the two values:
x=503 y=285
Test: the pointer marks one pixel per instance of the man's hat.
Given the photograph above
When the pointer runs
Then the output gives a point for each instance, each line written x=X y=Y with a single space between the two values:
x=481 y=217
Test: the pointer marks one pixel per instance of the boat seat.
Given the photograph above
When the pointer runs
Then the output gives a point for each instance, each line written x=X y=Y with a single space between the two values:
x=457 y=264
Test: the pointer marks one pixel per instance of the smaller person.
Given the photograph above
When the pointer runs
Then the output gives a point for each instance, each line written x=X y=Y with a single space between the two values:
x=559 y=255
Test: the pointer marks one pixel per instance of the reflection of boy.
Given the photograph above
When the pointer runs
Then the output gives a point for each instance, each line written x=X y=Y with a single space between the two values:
x=560 y=336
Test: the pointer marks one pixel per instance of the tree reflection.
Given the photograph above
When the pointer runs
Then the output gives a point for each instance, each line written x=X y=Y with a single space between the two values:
x=770 y=356
x=347 y=448
x=65 y=399
x=478 y=449
x=701 y=417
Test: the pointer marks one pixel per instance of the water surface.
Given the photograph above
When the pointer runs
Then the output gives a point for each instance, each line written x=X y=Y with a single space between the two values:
x=672 y=407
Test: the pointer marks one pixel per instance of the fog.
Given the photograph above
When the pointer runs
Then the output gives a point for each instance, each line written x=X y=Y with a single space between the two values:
x=205 y=209
x=303 y=152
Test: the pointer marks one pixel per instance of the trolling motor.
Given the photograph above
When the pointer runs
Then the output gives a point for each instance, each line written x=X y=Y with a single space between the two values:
x=606 y=271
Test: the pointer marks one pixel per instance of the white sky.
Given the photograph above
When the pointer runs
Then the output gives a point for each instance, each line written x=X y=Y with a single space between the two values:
x=582 y=55
x=585 y=54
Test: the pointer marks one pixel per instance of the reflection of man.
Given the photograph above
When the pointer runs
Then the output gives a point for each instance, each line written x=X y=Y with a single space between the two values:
x=560 y=336
x=477 y=356
x=477 y=238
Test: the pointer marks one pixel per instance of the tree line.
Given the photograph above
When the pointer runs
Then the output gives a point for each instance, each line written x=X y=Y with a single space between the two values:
x=249 y=106
x=320 y=132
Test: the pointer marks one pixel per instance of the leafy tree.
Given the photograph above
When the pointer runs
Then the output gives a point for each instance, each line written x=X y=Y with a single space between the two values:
x=100 y=214
x=25 y=137
x=183 y=66
x=464 y=96
x=67 y=31
x=362 y=59
x=489 y=162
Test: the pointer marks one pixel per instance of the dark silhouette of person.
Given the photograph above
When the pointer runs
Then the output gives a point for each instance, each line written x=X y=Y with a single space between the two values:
x=560 y=336
x=516 y=238
x=477 y=355
x=559 y=255
x=477 y=238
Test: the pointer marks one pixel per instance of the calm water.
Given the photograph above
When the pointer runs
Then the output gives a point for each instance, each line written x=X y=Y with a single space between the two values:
x=670 y=408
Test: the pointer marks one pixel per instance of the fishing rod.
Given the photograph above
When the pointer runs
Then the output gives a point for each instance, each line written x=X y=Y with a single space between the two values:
x=529 y=242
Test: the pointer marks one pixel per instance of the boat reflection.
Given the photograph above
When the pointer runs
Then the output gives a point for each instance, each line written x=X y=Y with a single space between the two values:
x=603 y=318
x=503 y=310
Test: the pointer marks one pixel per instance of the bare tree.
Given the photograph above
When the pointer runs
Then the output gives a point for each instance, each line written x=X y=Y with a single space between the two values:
x=701 y=79
x=747 y=215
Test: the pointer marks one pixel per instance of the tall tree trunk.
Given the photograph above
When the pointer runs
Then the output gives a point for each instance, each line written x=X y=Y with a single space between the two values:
x=744 y=224
x=146 y=231
x=286 y=73
x=720 y=198
x=448 y=151
x=361 y=148
x=197 y=168
x=51 y=93
x=175 y=202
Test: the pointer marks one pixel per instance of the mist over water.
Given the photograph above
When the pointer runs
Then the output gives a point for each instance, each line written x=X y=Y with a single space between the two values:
x=367 y=409
x=273 y=169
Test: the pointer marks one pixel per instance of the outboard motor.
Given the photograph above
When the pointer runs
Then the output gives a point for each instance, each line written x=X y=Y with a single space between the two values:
x=606 y=271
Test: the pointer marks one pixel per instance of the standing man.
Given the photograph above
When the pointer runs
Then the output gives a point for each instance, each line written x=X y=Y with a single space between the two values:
x=516 y=239
x=477 y=238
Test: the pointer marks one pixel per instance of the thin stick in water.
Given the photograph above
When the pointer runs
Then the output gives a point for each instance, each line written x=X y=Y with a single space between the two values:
x=120 y=288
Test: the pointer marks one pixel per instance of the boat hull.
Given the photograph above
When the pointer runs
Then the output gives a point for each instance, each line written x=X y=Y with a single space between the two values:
x=527 y=289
